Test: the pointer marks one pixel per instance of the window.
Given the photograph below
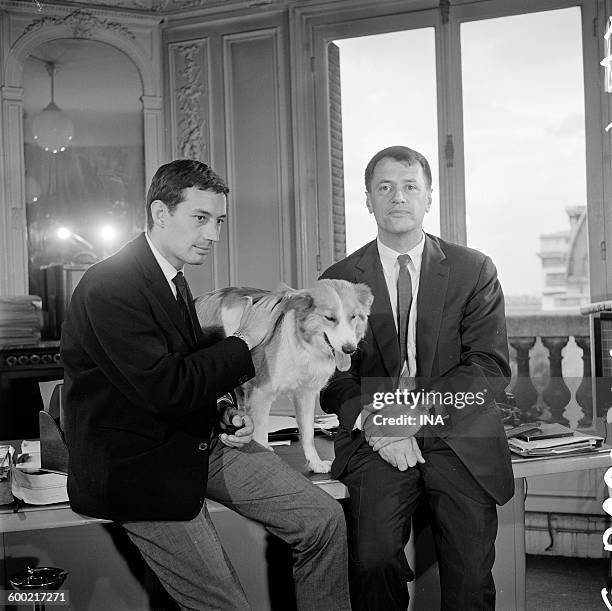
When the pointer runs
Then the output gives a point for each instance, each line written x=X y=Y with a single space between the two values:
x=521 y=172
x=394 y=104
x=525 y=165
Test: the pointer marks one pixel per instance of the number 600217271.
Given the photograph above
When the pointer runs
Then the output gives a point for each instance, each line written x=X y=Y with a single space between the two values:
x=55 y=597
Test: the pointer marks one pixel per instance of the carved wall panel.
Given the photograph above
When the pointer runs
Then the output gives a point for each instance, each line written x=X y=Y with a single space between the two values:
x=188 y=75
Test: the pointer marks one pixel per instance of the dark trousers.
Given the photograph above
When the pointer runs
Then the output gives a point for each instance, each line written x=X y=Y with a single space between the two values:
x=463 y=519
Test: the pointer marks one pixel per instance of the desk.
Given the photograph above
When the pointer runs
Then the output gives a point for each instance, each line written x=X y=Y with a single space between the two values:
x=106 y=573
x=509 y=569
x=60 y=515
x=247 y=543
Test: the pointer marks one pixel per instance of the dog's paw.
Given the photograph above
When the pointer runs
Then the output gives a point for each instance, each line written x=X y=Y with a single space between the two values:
x=319 y=466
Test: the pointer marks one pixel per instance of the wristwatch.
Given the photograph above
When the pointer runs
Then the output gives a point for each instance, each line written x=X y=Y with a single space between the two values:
x=242 y=335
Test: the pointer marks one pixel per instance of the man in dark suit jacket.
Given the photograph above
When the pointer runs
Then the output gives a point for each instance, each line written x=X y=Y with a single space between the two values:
x=456 y=460
x=148 y=438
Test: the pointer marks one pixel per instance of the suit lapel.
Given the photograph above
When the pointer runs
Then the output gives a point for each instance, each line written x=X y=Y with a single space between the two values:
x=381 y=320
x=433 y=283
x=158 y=285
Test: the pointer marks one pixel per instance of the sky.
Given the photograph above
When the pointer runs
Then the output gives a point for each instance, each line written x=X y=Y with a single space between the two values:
x=523 y=106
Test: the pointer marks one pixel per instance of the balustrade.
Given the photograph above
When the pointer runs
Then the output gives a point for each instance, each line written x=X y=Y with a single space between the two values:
x=551 y=375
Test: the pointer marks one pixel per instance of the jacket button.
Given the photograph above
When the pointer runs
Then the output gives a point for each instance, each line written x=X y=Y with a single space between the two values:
x=203 y=446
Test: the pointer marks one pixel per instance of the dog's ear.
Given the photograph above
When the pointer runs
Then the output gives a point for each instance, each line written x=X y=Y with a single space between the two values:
x=364 y=296
x=300 y=301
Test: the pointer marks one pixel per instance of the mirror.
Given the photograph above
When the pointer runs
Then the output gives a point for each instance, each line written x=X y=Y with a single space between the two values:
x=86 y=201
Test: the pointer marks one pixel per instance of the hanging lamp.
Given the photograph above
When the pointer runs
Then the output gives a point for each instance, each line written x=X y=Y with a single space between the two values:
x=52 y=128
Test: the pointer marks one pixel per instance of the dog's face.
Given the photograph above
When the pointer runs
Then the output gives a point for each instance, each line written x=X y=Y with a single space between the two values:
x=332 y=316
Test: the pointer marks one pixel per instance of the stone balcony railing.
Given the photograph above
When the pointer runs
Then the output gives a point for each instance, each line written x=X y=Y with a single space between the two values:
x=551 y=367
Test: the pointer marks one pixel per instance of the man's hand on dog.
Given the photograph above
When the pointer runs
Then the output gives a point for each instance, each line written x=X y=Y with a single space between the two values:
x=256 y=319
x=402 y=453
x=241 y=425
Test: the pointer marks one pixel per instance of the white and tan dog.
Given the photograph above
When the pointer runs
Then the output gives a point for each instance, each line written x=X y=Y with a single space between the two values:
x=314 y=331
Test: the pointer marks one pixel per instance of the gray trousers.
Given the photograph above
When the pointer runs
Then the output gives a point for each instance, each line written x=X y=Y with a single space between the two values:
x=189 y=559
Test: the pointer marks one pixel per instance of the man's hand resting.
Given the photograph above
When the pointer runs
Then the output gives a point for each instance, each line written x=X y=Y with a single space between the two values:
x=239 y=419
x=402 y=454
x=378 y=430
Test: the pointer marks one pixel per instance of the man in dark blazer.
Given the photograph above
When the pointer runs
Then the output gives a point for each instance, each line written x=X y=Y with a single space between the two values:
x=455 y=461
x=149 y=439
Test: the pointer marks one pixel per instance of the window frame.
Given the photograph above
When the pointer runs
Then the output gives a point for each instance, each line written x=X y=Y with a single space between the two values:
x=313 y=30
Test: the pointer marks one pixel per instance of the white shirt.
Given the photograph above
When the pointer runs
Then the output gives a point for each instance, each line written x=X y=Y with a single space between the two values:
x=169 y=270
x=390 y=265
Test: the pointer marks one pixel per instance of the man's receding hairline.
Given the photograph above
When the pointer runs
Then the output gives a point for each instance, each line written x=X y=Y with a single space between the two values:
x=403 y=162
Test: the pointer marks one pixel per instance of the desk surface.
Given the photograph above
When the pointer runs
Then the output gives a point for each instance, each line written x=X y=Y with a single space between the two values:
x=60 y=515
x=527 y=467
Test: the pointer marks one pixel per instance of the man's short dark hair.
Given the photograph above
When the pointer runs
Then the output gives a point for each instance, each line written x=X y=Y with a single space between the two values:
x=399 y=153
x=171 y=179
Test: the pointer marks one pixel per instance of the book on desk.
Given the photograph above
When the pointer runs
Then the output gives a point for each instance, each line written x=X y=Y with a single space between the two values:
x=32 y=485
x=549 y=439
x=284 y=429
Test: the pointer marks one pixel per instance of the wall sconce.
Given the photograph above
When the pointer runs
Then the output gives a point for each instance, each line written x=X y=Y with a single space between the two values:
x=52 y=128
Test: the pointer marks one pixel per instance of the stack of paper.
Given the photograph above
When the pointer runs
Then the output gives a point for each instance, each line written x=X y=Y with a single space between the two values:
x=32 y=485
x=555 y=446
x=5 y=475
x=20 y=320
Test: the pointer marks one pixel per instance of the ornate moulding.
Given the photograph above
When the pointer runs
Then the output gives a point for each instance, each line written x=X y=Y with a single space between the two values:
x=188 y=75
x=157 y=6
x=134 y=35
x=81 y=22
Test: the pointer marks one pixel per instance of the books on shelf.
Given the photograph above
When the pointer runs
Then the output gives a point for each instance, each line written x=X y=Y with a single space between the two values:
x=20 y=320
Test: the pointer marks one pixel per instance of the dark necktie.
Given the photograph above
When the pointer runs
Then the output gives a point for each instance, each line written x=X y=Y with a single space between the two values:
x=185 y=303
x=404 y=300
